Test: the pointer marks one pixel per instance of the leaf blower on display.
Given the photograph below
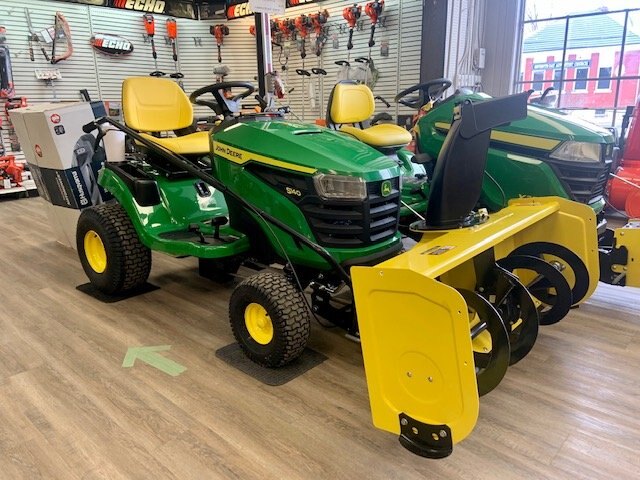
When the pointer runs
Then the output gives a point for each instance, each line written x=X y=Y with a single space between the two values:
x=11 y=170
x=219 y=31
x=319 y=23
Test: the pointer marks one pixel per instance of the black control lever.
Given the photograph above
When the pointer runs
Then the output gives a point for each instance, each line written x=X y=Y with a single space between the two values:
x=378 y=97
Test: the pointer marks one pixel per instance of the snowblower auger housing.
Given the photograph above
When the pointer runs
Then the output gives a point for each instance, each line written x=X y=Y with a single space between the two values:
x=421 y=346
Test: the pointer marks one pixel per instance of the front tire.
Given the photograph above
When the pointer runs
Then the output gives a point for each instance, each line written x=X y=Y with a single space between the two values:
x=111 y=253
x=269 y=319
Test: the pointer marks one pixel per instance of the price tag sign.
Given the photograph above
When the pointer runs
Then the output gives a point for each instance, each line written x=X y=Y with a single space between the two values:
x=272 y=7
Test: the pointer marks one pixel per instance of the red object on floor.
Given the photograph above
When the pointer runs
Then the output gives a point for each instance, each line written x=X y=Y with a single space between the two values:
x=9 y=166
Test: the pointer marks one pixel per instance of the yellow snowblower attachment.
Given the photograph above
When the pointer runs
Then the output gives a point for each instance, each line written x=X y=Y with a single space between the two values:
x=440 y=323
x=415 y=325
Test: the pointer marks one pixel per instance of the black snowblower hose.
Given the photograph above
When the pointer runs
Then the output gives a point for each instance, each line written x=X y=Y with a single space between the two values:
x=181 y=162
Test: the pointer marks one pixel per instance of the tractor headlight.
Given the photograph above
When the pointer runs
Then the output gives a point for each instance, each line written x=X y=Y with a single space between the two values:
x=342 y=187
x=578 y=152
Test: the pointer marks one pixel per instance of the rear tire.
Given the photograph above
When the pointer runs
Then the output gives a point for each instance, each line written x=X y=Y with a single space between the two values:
x=110 y=250
x=269 y=319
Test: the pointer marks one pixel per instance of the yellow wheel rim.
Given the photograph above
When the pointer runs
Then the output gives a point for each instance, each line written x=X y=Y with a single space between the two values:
x=95 y=252
x=258 y=323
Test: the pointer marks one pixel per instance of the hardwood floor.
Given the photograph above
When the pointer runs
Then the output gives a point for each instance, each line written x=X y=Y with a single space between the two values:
x=69 y=410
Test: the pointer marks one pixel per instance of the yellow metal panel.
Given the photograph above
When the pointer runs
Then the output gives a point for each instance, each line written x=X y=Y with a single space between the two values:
x=540 y=219
x=351 y=103
x=441 y=251
x=541 y=143
x=417 y=350
x=629 y=236
x=155 y=105
x=241 y=157
x=383 y=135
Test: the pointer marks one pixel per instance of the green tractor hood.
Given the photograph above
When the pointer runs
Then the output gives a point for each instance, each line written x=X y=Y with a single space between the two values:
x=302 y=148
x=543 y=129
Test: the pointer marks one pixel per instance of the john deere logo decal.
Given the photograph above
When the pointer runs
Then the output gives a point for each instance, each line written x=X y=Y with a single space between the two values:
x=385 y=188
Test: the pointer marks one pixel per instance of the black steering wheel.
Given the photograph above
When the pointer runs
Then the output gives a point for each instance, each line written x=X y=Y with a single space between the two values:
x=428 y=91
x=222 y=105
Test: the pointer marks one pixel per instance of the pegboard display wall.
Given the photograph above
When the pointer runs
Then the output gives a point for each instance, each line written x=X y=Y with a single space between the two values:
x=102 y=75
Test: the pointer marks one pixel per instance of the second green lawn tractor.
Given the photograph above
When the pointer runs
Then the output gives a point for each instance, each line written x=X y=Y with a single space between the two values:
x=439 y=321
x=546 y=153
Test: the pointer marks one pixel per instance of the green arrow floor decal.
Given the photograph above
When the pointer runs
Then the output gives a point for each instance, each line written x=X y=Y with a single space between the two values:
x=150 y=356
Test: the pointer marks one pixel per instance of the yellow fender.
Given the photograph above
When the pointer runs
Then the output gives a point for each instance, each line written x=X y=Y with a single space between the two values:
x=414 y=325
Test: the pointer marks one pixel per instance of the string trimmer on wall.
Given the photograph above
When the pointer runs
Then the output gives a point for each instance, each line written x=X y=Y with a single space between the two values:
x=373 y=10
x=219 y=32
x=303 y=25
x=351 y=15
x=320 y=27
x=172 y=33
x=150 y=28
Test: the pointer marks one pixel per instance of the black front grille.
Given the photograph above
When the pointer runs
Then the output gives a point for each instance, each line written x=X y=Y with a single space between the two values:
x=344 y=224
x=585 y=182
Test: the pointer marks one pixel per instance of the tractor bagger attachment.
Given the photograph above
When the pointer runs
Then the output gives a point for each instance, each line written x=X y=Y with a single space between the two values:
x=440 y=323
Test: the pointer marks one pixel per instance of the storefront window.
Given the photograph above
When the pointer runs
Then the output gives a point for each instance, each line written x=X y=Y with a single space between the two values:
x=589 y=53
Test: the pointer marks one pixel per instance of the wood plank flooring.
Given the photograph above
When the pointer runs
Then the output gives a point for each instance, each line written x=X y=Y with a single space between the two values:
x=68 y=410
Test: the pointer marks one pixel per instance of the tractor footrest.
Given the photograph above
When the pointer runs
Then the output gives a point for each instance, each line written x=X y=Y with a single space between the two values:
x=197 y=237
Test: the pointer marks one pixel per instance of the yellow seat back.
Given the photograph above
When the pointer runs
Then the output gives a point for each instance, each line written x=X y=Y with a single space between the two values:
x=154 y=104
x=351 y=103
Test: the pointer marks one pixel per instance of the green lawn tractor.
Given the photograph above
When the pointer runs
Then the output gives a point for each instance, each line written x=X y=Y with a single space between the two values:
x=439 y=321
x=546 y=153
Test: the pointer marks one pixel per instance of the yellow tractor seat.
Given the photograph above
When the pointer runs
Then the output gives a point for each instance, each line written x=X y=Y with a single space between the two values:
x=152 y=105
x=383 y=135
x=350 y=105
x=191 y=144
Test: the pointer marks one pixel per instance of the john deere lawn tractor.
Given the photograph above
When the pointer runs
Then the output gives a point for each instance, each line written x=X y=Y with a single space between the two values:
x=544 y=154
x=439 y=322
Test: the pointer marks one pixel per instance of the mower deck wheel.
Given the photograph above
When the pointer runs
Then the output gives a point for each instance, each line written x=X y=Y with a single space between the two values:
x=269 y=319
x=110 y=250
